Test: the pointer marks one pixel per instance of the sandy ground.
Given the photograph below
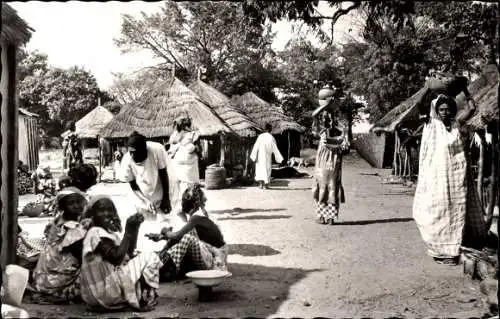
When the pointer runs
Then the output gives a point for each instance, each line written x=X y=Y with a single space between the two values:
x=372 y=263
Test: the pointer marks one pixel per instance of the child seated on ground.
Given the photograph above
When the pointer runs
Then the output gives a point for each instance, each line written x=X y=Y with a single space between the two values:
x=55 y=277
x=113 y=276
x=200 y=239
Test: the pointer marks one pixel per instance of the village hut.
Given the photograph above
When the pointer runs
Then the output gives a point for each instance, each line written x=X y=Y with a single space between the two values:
x=89 y=127
x=286 y=131
x=15 y=33
x=402 y=123
x=239 y=146
x=154 y=114
x=28 y=138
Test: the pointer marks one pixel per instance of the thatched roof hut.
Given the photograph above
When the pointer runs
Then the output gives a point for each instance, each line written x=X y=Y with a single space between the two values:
x=222 y=105
x=262 y=112
x=93 y=122
x=154 y=114
x=483 y=91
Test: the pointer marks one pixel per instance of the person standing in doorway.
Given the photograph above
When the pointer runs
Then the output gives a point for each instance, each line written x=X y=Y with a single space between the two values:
x=262 y=152
x=145 y=169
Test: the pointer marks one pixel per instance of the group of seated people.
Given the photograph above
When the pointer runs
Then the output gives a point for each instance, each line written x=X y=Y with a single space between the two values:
x=84 y=257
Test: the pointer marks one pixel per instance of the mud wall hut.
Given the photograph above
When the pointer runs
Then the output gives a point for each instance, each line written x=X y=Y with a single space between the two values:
x=286 y=131
x=238 y=147
x=28 y=142
x=15 y=33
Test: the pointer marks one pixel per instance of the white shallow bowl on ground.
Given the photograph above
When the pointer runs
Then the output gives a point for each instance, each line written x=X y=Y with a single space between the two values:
x=208 y=278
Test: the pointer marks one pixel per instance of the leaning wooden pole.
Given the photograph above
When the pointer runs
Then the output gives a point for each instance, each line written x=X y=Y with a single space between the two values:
x=480 y=171
x=100 y=157
x=496 y=146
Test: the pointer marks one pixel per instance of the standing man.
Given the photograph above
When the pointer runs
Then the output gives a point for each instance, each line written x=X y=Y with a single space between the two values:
x=262 y=152
x=145 y=168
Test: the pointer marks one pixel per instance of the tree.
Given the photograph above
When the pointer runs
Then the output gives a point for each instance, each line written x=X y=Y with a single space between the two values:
x=215 y=36
x=57 y=95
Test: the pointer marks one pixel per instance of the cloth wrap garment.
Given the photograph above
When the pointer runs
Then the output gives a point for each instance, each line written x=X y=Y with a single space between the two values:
x=327 y=188
x=446 y=205
x=261 y=154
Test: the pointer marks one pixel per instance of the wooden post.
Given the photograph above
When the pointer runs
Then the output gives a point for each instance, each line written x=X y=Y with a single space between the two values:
x=222 y=150
x=9 y=154
x=289 y=145
x=100 y=157
x=496 y=146
x=480 y=171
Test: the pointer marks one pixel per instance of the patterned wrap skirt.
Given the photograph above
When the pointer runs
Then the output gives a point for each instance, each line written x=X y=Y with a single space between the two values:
x=327 y=187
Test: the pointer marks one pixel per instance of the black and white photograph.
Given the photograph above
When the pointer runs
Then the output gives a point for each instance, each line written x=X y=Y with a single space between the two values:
x=265 y=159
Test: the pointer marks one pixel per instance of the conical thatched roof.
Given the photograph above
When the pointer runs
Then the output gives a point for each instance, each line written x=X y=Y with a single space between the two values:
x=262 y=113
x=484 y=91
x=222 y=105
x=14 y=29
x=153 y=115
x=93 y=122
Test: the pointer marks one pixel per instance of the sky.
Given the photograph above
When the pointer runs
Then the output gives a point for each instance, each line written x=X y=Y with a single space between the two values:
x=81 y=33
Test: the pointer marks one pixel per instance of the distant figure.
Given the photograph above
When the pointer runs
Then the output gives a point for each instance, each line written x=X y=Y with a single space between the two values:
x=184 y=150
x=69 y=144
x=145 y=168
x=106 y=154
x=117 y=159
x=262 y=152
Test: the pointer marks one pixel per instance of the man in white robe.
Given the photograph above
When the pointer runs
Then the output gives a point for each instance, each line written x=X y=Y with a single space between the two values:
x=262 y=152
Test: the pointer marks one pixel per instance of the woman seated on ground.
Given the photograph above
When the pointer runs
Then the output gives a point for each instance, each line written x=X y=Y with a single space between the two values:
x=83 y=177
x=200 y=239
x=55 y=278
x=113 y=276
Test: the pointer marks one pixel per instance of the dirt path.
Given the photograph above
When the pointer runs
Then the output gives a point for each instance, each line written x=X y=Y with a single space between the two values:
x=372 y=263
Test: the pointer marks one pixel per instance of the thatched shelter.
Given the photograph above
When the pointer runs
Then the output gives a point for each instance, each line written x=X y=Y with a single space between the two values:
x=222 y=105
x=484 y=91
x=285 y=129
x=90 y=126
x=15 y=33
x=239 y=147
x=154 y=114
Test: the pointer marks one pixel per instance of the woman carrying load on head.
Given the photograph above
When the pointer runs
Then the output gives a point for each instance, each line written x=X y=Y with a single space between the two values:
x=332 y=127
x=446 y=206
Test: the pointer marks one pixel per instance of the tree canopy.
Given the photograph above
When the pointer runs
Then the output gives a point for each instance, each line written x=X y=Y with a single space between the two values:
x=57 y=95
x=216 y=37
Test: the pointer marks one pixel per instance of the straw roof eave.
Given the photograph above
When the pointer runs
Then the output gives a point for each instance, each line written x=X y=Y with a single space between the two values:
x=92 y=123
x=154 y=114
x=262 y=112
x=14 y=29
x=484 y=91
x=240 y=123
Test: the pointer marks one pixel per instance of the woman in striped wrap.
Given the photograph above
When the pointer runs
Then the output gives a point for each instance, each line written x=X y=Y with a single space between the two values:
x=446 y=206
x=332 y=126
x=113 y=275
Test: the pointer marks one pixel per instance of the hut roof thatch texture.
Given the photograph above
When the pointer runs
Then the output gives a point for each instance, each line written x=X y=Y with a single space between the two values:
x=93 y=122
x=262 y=113
x=484 y=91
x=154 y=114
x=222 y=105
x=14 y=29
x=404 y=111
